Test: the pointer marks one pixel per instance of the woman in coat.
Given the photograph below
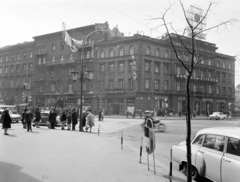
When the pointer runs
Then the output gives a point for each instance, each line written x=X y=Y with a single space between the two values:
x=6 y=121
x=74 y=119
x=38 y=117
x=63 y=119
x=69 y=120
x=28 y=119
x=90 y=121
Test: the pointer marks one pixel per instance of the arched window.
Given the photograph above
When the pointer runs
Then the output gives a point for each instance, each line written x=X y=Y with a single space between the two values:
x=44 y=60
x=71 y=56
x=88 y=55
x=53 y=47
x=224 y=65
x=102 y=54
x=111 y=53
x=217 y=63
x=157 y=53
x=6 y=58
x=62 y=58
x=166 y=54
x=131 y=51
x=53 y=59
x=230 y=66
x=121 y=52
x=148 y=51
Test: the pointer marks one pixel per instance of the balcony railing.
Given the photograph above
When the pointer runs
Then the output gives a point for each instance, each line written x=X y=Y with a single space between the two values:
x=198 y=78
x=39 y=53
x=56 y=62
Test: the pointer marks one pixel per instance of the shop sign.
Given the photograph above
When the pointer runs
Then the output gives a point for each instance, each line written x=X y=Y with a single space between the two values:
x=130 y=100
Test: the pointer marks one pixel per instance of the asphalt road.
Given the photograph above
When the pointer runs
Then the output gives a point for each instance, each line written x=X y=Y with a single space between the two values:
x=176 y=133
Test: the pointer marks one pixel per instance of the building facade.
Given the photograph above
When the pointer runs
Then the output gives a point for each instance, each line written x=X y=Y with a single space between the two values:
x=160 y=77
x=16 y=69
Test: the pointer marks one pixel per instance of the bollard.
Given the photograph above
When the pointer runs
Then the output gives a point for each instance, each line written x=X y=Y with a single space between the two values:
x=141 y=150
x=98 y=129
x=170 y=172
x=122 y=140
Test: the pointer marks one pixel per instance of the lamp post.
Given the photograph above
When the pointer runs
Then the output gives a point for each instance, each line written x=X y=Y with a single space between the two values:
x=75 y=73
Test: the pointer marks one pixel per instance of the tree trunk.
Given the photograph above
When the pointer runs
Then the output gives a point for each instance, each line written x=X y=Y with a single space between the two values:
x=188 y=139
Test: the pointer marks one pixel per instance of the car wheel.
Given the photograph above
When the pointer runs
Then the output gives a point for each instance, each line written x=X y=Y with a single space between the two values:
x=194 y=171
x=210 y=118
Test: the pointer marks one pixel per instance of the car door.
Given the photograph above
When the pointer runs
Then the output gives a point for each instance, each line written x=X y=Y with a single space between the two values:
x=231 y=161
x=212 y=153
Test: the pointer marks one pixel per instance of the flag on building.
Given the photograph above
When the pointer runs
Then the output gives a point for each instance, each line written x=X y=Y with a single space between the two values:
x=71 y=42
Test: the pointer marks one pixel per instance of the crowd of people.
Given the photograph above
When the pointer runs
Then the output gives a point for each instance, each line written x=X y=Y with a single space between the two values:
x=68 y=117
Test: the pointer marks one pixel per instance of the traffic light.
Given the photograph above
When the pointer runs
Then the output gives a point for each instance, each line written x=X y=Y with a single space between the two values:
x=134 y=68
x=29 y=98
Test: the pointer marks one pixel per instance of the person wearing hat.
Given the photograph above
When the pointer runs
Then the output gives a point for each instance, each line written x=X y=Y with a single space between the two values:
x=6 y=120
x=90 y=121
x=74 y=119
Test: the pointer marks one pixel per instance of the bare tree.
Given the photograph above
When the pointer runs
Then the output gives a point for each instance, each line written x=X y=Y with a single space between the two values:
x=193 y=60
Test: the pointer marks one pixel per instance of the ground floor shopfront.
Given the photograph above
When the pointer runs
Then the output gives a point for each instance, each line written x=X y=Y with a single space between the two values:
x=118 y=104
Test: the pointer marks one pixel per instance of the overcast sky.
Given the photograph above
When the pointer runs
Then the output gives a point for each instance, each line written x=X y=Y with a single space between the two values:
x=23 y=19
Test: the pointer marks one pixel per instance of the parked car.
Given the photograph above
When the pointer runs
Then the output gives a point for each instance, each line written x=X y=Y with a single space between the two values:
x=217 y=115
x=215 y=154
x=15 y=117
x=44 y=118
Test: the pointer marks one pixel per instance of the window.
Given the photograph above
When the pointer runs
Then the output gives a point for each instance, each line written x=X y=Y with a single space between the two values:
x=39 y=61
x=70 y=71
x=44 y=60
x=156 y=68
x=209 y=74
x=12 y=69
x=178 y=70
x=62 y=46
x=233 y=146
x=229 y=91
x=230 y=66
x=102 y=68
x=52 y=73
x=165 y=69
x=147 y=84
x=24 y=55
x=40 y=88
x=62 y=58
x=121 y=52
x=102 y=54
x=120 y=83
x=102 y=85
x=0 y=70
x=131 y=83
x=1 y=59
x=217 y=90
x=23 y=80
x=53 y=59
x=194 y=88
x=209 y=62
x=89 y=40
x=202 y=74
x=70 y=88
x=6 y=58
x=214 y=142
x=148 y=50
x=121 y=67
x=18 y=57
x=71 y=56
x=157 y=53
x=88 y=55
x=156 y=84
x=111 y=68
x=111 y=53
x=6 y=69
x=210 y=89
x=199 y=140
x=53 y=47
x=218 y=76
x=147 y=66
x=166 y=54
x=217 y=63
x=224 y=91
x=165 y=85
x=131 y=51
x=84 y=86
x=18 y=68
x=12 y=57
x=52 y=87
x=224 y=65
x=31 y=55
x=111 y=84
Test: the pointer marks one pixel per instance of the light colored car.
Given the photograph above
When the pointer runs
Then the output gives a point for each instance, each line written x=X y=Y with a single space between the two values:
x=215 y=154
x=217 y=115
x=15 y=117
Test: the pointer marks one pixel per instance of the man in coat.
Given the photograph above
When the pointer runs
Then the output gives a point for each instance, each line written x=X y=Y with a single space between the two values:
x=52 y=118
x=6 y=120
x=74 y=119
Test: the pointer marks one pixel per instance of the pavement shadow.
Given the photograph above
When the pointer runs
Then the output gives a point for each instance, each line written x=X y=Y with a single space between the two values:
x=174 y=179
x=11 y=172
x=34 y=132
x=11 y=135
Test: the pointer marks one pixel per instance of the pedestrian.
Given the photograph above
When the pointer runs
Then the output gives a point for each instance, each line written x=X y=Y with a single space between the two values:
x=84 y=115
x=28 y=119
x=69 y=120
x=102 y=115
x=74 y=119
x=90 y=121
x=165 y=114
x=37 y=118
x=6 y=121
x=52 y=118
x=230 y=114
x=23 y=118
x=99 y=115
x=63 y=119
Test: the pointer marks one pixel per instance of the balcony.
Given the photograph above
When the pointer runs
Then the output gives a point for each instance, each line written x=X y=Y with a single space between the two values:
x=41 y=53
x=197 y=78
x=58 y=62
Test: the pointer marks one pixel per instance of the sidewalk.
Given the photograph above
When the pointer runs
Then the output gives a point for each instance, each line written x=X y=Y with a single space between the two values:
x=72 y=156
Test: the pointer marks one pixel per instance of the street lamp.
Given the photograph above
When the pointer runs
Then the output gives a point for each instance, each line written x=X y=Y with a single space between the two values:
x=75 y=74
